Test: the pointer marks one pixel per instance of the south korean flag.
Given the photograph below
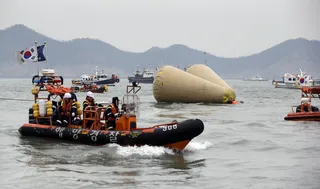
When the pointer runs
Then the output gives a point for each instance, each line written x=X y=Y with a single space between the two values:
x=29 y=54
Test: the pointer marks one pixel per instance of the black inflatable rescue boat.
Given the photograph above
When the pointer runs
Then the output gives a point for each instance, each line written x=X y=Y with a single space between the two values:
x=175 y=135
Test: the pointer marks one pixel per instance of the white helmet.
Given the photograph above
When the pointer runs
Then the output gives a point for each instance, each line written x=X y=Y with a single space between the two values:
x=305 y=100
x=67 y=95
x=90 y=94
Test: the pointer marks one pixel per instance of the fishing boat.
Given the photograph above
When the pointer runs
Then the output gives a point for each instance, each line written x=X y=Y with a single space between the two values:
x=142 y=76
x=91 y=129
x=89 y=87
x=297 y=81
x=305 y=111
x=256 y=78
x=99 y=78
x=77 y=82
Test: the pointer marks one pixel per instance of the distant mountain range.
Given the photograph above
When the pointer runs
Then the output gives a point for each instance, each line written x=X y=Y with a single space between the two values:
x=75 y=57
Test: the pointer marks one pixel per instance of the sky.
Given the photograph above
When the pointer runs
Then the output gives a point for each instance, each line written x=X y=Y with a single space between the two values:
x=225 y=28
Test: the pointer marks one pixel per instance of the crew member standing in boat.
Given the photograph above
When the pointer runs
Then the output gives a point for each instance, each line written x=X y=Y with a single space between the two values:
x=89 y=101
x=68 y=110
x=111 y=113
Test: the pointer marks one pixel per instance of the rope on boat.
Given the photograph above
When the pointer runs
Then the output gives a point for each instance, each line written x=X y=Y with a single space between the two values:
x=15 y=99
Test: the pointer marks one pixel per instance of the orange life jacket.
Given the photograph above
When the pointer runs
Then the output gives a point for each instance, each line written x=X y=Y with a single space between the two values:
x=90 y=103
x=309 y=108
x=85 y=104
x=66 y=107
x=114 y=110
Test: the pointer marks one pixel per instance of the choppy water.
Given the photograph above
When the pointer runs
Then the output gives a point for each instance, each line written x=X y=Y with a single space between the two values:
x=243 y=146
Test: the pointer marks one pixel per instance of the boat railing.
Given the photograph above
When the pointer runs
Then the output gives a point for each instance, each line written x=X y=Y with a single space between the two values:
x=134 y=88
x=293 y=108
x=41 y=80
x=95 y=114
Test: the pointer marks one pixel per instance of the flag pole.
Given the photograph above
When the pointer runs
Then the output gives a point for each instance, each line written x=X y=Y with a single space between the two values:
x=44 y=50
x=36 y=49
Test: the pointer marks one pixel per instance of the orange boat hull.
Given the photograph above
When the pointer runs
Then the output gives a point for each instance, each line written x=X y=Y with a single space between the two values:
x=303 y=116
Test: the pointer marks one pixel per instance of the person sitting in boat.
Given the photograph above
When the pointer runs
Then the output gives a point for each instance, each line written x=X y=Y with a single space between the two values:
x=306 y=106
x=68 y=111
x=89 y=101
x=112 y=113
x=306 y=109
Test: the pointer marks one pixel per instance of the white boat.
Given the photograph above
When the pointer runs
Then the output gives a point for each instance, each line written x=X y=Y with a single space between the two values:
x=296 y=81
x=100 y=78
x=256 y=78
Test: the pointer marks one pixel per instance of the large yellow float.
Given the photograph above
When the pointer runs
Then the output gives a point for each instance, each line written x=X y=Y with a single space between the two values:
x=197 y=84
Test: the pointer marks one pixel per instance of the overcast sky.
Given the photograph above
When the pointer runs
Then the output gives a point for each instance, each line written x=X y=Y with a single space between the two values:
x=228 y=28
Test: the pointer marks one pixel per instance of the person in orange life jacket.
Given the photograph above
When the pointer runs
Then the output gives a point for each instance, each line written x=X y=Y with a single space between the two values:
x=68 y=109
x=111 y=113
x=89 y=101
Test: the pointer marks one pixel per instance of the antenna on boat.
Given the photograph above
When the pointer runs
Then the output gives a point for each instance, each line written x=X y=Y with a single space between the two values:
x=302 y=73
x=96 y=71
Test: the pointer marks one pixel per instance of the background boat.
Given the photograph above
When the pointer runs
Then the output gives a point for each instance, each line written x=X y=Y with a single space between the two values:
x=142 y=76
x=89 y=87
x=99 y=78
x=297 y=81
x=256 y=78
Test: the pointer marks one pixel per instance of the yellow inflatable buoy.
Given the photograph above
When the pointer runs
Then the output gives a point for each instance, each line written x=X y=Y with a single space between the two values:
x=49 y=104
x=35 y=113
x=49 y=111
x=106 y=88
x=35 y=107
x=78 y=104
x=49 y=108
x=79 y=111
x=208 y=74
x=174 y=85
x=34 y=90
